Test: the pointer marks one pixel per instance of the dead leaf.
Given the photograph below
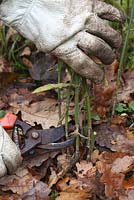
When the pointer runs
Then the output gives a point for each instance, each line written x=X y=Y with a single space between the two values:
x=82 y=168
x=27 y=62
x=10 y=34
x=6 y=78
x=113 y=182
x=43 y=112
x=129 y=195
x=86 y=174
x=5 y=66
x=130 y=133
x=10 y=197
x=36 y=160
x=129 y=184
x=53 y=178
x=81 y=195
x=103 y=97
x=122 y=165
x=95 y=156
x=123 y=145
x=109 y=157
x=126 y=91
x=113 y=167
x=20 y=183
x=119 y=120
x=107 y=134
x=71 y=188
x=63 y=161
x=43 y=67
x=40 y=191
x=26 y=52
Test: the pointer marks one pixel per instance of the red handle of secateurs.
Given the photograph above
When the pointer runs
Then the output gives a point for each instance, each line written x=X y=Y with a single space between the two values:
x=8 y=121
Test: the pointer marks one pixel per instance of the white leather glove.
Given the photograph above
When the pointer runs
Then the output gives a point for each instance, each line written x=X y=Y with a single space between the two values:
x=73 y=30
x=10 y=156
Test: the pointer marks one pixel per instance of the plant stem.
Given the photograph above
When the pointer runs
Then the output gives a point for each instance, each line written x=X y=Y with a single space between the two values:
x=125 y=45
x=77 y=80
x=59 y=90
x=123 y=52
x=89 y=120
x=67 y=111
x=66 y=117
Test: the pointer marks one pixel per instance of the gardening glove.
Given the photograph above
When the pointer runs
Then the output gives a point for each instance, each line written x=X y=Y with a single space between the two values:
x=10 y=156
x=73 y=30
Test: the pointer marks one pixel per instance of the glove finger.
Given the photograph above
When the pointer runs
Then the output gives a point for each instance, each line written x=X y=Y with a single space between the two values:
x=79 y=61
x=10 y=153
x=3 y=169
x=94 y=46
x=96 y=26
x=107 y=11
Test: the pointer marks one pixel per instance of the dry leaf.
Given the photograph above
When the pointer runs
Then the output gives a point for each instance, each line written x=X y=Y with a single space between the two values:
x=40 y=191
x=122 y=165
x=113 y=182
x=129 y=195
x=130 y=133
x=123 y=145
x=129 y=184
x=82 y=168
x=26 y=52
x=126 y=91
x=53 y=178
x=95 y=156
x=20 y=183
x=113 y=167
x=71 y=188
x=10 y=197
x=63 y=161
x=81 y=195
x=107 y=134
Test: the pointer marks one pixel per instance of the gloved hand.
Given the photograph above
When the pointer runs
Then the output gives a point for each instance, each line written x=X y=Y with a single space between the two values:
x=73 y=30
x=10 y=156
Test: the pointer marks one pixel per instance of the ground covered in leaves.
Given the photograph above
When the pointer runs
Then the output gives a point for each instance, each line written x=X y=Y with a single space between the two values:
x=45 y=175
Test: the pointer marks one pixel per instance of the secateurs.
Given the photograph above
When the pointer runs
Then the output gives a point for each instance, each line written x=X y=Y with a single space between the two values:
x=40 y=138
x=34 y=136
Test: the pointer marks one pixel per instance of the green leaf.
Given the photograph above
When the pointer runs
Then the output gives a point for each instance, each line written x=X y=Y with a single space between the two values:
x=131 y=106
x=95 y=117
x=2 y=113
x=51 y=87
x=121 y=107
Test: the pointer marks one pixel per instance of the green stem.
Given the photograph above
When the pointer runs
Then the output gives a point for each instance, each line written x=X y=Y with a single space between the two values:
x=124 y=51
x=89 y=119
x=77 y=80
x=128 y=5
x=66 y=117
x=67 y=111
x=3 y=40
x=59 y=90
